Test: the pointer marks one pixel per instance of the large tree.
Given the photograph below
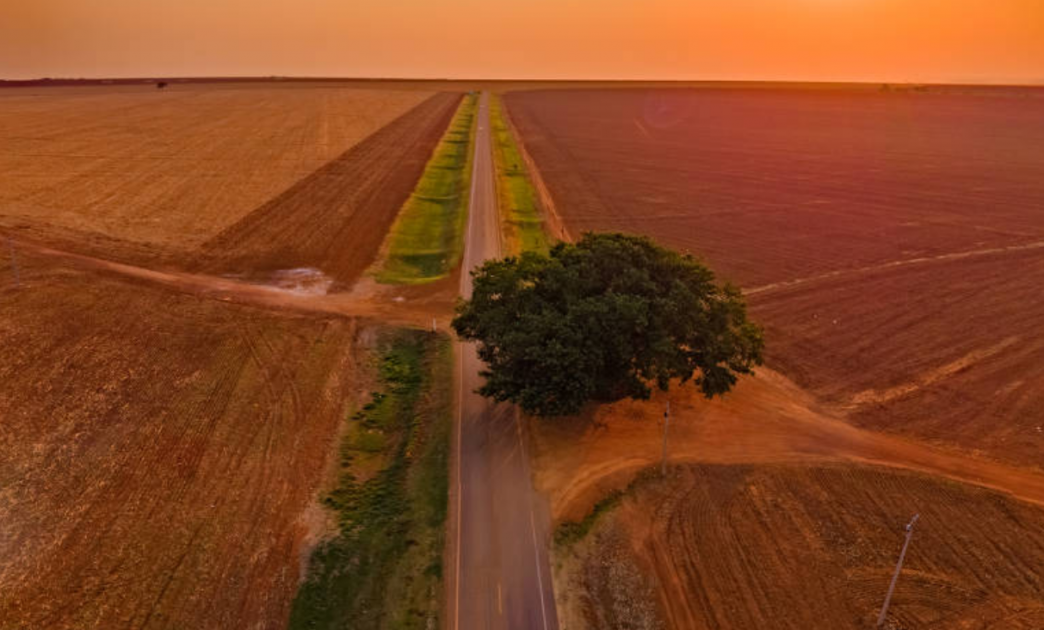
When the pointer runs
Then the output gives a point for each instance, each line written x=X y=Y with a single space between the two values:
x=603 y=319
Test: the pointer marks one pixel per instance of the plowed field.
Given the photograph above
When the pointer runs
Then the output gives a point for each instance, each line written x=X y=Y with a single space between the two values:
x=158 y=452
x=893 y=244
x=738 y=547
x=213 y=172
x=166 y=422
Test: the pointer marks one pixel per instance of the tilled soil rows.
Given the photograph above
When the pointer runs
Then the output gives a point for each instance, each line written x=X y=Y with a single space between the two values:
x=159 y=452
x=892 y=244
x=141 y=174
x=335 y=219
x=773 y=547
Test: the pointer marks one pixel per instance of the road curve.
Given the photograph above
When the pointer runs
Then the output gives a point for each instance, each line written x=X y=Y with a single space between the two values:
x=499 y=575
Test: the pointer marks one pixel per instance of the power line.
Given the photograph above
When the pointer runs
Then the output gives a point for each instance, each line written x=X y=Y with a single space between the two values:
x=898 y=568
x=666 y=423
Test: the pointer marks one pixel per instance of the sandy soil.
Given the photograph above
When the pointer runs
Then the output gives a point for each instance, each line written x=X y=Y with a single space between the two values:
x=766 y=419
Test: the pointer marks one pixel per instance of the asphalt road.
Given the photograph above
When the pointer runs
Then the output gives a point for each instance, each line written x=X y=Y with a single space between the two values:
x=500 y=576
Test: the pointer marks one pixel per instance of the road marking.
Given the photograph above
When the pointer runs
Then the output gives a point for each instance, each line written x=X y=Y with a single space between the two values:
x=460 y=484
x=460 y=383
x=532 y=526
x=466 y=264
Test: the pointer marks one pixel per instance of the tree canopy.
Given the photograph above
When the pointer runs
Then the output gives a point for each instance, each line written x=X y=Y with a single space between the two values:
x=603 y=319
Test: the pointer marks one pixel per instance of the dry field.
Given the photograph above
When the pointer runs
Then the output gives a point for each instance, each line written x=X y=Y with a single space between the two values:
x=772 y=502
x=167 y=426
x=893 y=244
x=210 y=172
x=738 y=547
x=159 y=452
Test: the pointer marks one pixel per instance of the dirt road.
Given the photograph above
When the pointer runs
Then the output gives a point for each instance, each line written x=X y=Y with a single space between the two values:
x=390 y=304
x=500 y=575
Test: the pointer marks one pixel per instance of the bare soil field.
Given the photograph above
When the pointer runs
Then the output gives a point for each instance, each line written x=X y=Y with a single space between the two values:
x=707 y=558
x=765 y=420
x=892 y=244
x=178 y=356
x=790 y=546
x=336 y=218
x=951 y=352
x=159 y=453
x=776 y=185
x=144 y=175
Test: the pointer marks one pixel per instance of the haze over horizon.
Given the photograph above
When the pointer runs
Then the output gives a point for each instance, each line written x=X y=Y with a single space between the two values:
x=973 y=41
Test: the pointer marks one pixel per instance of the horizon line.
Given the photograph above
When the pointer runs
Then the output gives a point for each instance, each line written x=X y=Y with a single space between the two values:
x=278 y=77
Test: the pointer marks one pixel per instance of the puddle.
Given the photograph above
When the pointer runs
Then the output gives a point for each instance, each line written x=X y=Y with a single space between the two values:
x=302 y=280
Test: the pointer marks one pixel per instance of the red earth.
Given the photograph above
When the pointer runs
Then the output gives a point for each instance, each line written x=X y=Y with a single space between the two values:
x=891 y=244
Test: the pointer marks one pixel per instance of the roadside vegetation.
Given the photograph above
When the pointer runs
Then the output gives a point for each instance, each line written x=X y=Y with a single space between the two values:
x=520 y=213
x=569 y=532
x=383 y=569
x=427 y=240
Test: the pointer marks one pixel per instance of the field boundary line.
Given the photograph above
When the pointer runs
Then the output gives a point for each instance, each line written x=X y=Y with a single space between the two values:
x=894 y=264
x=547 y=202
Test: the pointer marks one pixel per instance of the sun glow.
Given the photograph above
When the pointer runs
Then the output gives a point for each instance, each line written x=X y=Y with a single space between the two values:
x=894 y=40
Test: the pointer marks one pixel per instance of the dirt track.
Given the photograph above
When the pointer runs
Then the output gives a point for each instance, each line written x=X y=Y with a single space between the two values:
x=412 y=306
x=766 y=420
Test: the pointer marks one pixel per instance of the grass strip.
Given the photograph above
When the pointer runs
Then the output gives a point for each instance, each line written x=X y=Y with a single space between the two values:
x=427 y=239
x=520 y=212
x=383 y=569
x=570 y=532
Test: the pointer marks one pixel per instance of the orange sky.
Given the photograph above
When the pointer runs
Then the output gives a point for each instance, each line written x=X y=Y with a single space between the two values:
x=987 y=41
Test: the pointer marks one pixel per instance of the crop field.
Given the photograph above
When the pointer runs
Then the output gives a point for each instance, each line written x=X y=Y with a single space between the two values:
x=160 y=452
x=789 y=546
x=892 y=244
x=206 y=175
x=175 y=378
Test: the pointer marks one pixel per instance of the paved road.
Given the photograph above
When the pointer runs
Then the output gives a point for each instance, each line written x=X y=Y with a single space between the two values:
x=501 y=577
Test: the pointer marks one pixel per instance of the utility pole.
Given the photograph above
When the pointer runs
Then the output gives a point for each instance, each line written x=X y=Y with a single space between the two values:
x=898 y=568
x=666 y=423
x=14 y=262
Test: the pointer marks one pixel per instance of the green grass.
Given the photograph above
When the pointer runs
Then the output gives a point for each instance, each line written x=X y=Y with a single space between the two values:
x=427 y=240
x=522 y=220
x=384 y=567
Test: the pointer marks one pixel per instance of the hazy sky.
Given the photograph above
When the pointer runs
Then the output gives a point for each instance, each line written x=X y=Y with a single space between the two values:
x=874 y=40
